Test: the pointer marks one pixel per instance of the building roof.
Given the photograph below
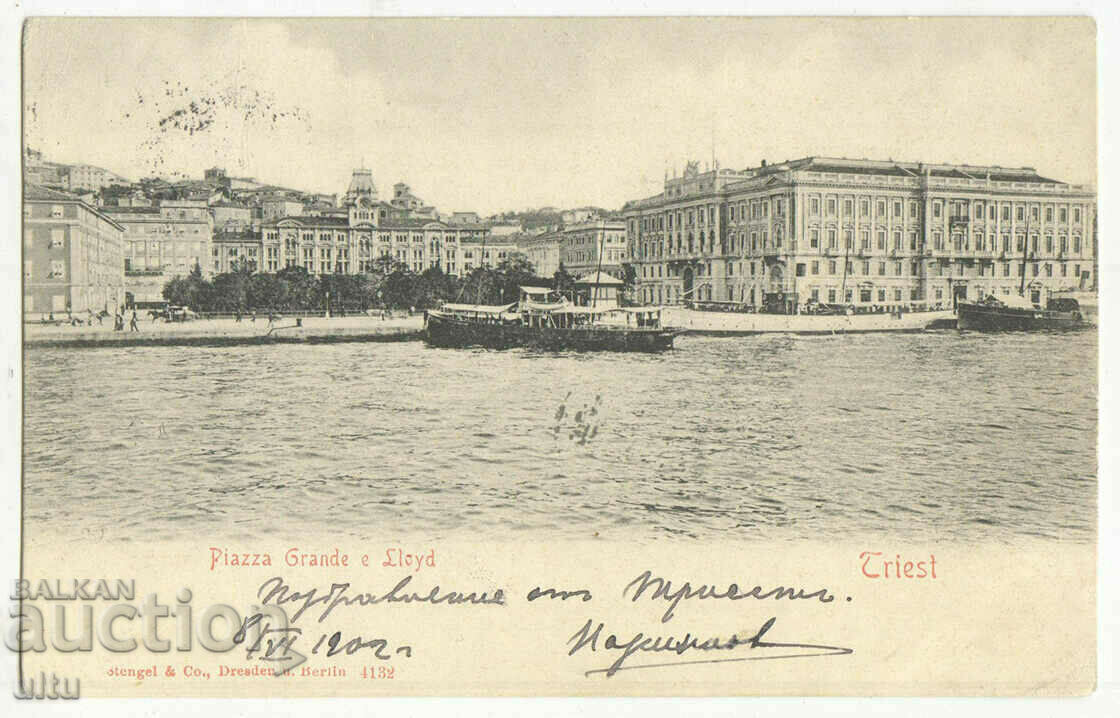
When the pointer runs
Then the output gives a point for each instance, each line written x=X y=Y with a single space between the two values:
x=915 y=169
x=361 y=182
x=490 y=242
x=892 y=170
x=1033 y=177
x=411 y=222
x=315 y=220
x=599 y=278
x=244 y=235
x=131 y=210
x=39 y=193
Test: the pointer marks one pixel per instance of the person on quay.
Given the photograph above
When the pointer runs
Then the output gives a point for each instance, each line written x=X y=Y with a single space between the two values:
x=132 y=326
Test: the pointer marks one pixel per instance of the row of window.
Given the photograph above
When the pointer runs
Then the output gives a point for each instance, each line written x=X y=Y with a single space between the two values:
x=958 y=209
x=156 y=246
x=342 y=237
x=738 y=242
x=236 y=252
x=832 y=207
x=864 y=268
x=679 y=218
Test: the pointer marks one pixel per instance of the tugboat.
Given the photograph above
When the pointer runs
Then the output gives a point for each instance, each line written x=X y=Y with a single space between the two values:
x=1015 y=313
x=544 y=320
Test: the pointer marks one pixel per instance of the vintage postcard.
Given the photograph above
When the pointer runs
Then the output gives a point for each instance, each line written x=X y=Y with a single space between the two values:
x=558 y=357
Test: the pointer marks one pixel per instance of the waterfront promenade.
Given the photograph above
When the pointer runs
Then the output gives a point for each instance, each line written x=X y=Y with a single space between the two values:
x=227 y=332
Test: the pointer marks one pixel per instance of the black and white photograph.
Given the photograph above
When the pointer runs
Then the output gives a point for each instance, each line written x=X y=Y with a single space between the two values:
x=644 y=305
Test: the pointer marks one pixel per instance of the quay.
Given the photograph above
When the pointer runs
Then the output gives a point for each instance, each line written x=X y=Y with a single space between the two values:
x=741 y=324
x=228 y=332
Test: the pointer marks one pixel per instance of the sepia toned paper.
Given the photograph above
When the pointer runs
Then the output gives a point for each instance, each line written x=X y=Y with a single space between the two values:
x=784 y=504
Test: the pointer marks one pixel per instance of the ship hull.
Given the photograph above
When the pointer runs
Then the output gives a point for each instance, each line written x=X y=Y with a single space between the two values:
x=730 y=324
x=442 y=331
x=983 y=318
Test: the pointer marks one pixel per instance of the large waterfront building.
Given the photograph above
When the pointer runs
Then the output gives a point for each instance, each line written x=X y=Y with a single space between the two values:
x=351 y=239
x=861 y=232
x=72 y=255
x=163 y=242
x=353 y=242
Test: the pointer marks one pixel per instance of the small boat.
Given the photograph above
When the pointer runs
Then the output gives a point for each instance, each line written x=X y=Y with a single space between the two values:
x=1016 y=313
x=543 y=320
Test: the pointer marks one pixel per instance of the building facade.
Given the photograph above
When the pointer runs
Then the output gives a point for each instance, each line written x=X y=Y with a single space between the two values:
x=353 y=238
x=577 y=248
x=542 y=250
x=161 y=243
x=235 y=248
x=588 y=246
x=91 y=178
x=274 y=208
x=353 y=244
x=231 y=215
x=72 y=256
x=874 y=234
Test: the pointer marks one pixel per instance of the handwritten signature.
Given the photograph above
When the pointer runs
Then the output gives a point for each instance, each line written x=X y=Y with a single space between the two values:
x=589 y=638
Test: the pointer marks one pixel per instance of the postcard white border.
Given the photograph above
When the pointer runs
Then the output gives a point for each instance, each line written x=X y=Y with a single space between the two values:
x=1105 y=701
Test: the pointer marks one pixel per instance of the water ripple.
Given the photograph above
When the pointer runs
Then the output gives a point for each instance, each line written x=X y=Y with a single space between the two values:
x=918 y=436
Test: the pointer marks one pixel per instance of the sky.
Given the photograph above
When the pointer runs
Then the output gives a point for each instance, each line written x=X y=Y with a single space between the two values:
x=505 y=114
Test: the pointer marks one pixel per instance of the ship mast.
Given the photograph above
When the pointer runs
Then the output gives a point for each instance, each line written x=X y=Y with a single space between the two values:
x=1026 y=244
x=844 y=277
x=598 y=271
x=482 y=274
